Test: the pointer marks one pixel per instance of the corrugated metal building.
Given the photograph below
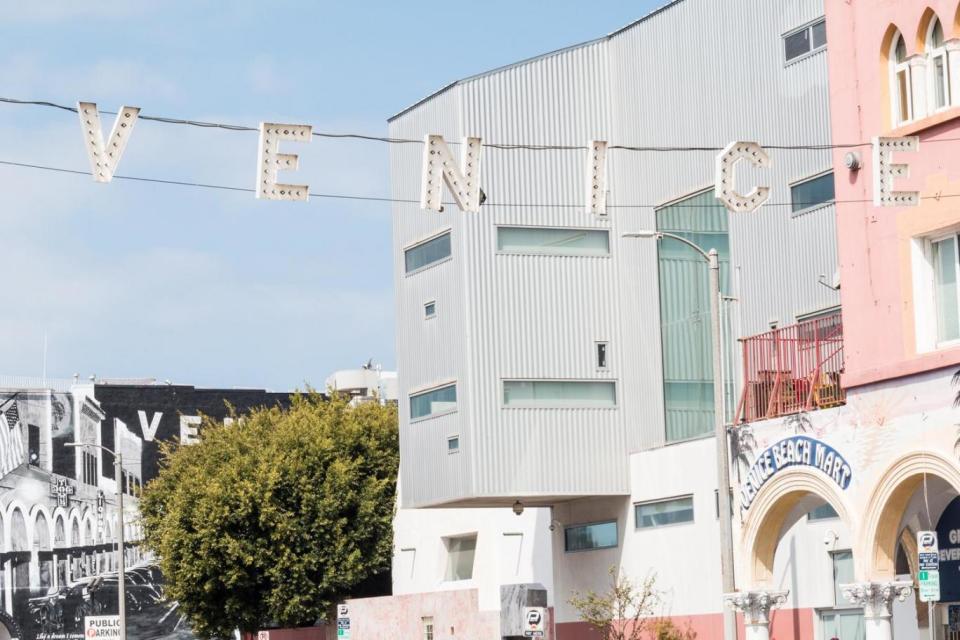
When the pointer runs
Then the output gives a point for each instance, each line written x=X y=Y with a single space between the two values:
x=502 y=395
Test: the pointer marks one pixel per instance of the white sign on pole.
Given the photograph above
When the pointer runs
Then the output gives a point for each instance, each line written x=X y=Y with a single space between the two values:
x=534 y=622
x=928 y=556
x=101 y=627
x=343 y=622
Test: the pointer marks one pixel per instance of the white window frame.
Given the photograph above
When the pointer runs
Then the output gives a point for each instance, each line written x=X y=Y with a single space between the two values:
x=553 y=407
x=429 y=632
x=426 y=314
x=932 y=55
x=693 y=508
x=425 y=240
x=418 y=392
x=895 y=69
x=446 y=548
x=806 y=27
x=451 y=438
x=606 y=355
x=924 y=292
x=943 y=344
x=541 y=252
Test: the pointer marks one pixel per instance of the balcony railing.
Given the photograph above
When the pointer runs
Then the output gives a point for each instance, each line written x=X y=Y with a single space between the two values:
x=792 y=369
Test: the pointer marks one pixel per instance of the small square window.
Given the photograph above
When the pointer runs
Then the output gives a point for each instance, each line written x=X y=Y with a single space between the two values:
x=430 y=309
x=453 y=444
x=601 y=355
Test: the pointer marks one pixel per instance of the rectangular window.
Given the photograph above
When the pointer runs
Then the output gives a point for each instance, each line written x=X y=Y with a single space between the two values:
x=433 y=402
x=460 y=555
x=903 y=95
x=601 y=355
x=554 y=241
x=453 y=444
x=685 y=313
x=945 y=281
x=663 y=512
x=559 y=393
x=940 y=79
x=427 y=624
x=430 y=309
x=596 y=535
x=842 y=574
x=823 y=512
x=812 y=193
x=810 y=38
x=426 y=253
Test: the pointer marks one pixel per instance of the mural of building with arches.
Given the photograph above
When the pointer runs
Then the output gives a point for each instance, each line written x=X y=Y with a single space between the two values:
x=58 y=511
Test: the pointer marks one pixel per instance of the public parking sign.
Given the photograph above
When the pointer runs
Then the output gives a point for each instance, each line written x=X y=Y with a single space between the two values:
x=101 y=627
x=534 y=622
x=928 y=562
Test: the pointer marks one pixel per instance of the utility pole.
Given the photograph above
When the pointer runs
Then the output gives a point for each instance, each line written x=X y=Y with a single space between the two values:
x=725 y=517
x=723 y=455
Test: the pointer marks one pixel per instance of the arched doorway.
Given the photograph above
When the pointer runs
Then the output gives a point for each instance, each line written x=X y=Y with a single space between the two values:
x=911 y=496
x=43 y=551
x=798 y=532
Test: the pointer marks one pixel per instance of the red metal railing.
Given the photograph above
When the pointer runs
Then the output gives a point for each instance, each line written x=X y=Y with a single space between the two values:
x=792 y=369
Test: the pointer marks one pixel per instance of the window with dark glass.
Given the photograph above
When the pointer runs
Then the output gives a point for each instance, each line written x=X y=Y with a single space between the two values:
x=808 y=39
x=812 y=193
x=595 y=535
x=427 y=253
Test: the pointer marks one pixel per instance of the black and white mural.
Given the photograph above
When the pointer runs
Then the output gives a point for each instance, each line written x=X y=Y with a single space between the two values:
x=58 y=507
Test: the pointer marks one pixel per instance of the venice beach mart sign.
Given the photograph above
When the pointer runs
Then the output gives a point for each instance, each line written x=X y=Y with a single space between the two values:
x=463 y=179
x=792 y=452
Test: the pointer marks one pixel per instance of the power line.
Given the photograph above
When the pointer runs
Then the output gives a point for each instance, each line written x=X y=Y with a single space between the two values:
x=491 y=145
x=543 y=205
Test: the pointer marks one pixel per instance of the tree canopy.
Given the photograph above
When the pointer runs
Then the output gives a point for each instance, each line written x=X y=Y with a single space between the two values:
x=277 y=516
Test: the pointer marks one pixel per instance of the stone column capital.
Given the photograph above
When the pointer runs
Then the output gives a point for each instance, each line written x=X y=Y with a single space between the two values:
x=953 y=44
x=876 y=597
x=917 y=60
x=755 y=605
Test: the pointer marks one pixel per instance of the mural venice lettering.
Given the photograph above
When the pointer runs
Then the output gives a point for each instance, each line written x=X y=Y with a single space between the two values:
x=58 y=511
x=790 y=452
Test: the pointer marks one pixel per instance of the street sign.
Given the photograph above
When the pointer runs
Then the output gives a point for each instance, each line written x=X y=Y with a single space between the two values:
x=101 y=627
x=929 y=586
x=343 y=622
x=534 y=622
x=928 y=556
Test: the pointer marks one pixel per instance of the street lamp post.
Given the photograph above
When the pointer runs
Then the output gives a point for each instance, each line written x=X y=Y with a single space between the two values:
x=121 y=562
x=719 y=425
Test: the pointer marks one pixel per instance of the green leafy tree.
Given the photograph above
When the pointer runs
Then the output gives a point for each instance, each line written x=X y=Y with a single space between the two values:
x=277 y=516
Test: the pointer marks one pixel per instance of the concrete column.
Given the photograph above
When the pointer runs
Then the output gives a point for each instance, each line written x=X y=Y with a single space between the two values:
x=918 y=86
x=876 y=599
x=953 y=63
x=755 y=607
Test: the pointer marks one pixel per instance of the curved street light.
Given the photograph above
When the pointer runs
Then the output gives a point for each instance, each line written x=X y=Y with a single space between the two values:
x=720 y=429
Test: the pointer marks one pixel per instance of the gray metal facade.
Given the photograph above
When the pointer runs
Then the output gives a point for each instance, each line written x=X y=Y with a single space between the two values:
x=697 y=73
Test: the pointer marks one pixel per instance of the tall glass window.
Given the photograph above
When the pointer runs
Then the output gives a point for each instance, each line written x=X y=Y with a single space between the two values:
x=554 y=241
x=945 y=267
x=596 y=535
x=900 y=82
x=559 y=393
x=427 y=253
x=433 y=402
x=460 y=555
x=685 y=312
x=940 y=77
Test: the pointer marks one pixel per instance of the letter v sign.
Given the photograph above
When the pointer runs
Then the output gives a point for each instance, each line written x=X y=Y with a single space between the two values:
x=149 y=430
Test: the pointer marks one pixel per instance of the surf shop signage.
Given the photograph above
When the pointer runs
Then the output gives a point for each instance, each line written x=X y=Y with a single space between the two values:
x=798 y=451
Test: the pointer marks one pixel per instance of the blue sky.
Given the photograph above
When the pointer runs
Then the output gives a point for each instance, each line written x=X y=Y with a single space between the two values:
x=211 y=287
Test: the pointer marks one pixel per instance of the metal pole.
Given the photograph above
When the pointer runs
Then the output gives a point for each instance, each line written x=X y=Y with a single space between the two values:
x=723 y=456
x=121 y=564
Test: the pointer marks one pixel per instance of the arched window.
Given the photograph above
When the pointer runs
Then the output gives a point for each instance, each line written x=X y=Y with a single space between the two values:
x=900 y=82
x=937 y=63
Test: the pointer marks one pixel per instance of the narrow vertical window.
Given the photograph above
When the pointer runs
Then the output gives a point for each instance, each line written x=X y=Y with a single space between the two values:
x=429 y=309
x=453 y=444
x=938 y=65
x=945 y=261
x=601 y=355
x=427 y=623
x=900 y=81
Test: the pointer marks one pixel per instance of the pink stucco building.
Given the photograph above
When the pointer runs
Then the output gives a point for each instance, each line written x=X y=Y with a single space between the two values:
x=894 y=70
